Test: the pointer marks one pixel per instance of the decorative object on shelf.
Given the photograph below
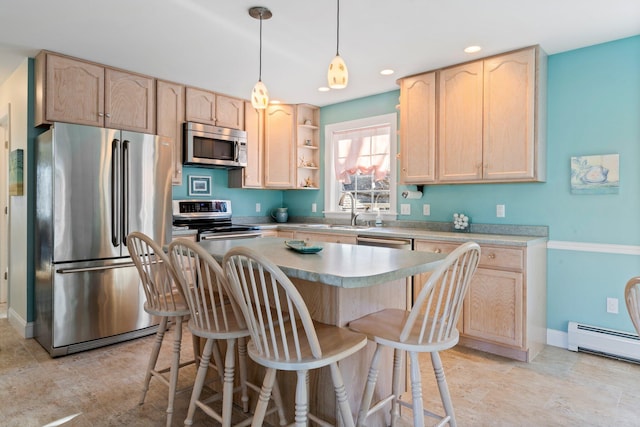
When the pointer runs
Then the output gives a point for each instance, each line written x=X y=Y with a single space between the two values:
x=260 y=94
x=308 y=183
x=199 y=185
x=461 y=222
x=338 y=75
x=307 y=122
x=16 y=175
x=307 y=142
x=280 y=214
x=595 y=174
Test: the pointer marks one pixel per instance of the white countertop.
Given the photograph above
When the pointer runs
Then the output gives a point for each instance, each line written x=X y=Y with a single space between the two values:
x=342 y=265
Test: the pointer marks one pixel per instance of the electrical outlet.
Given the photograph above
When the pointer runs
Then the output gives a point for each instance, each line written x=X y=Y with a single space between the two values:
x=500 y=213
x=314 y=207
x=258 y=207
x=426 y=209
x=612 y=305
x=405 y=209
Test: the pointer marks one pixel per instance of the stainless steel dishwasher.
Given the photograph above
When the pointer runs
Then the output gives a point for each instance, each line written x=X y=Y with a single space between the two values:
x=394 y=243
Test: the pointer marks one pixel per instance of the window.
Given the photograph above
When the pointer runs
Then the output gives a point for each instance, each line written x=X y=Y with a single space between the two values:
x=360 y=160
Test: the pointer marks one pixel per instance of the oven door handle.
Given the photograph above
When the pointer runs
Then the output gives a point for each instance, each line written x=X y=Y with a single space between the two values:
x=230 y=236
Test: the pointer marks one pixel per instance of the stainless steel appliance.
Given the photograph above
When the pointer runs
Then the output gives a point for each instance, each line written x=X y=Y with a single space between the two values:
x=214 y=146
x=212 y=219
x=94 y=186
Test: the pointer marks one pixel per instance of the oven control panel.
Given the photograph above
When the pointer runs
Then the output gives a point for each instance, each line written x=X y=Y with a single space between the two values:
x=201 y=208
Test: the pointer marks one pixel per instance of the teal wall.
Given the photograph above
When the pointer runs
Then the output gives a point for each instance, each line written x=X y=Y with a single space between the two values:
x=243 y=200
x=593 y=108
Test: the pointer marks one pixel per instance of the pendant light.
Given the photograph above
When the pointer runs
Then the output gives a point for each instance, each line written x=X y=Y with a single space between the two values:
x=338 y=75
x=260 y=94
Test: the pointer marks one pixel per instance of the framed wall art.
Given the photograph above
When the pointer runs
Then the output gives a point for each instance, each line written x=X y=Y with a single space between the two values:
x=199 y=185
x=598 y=174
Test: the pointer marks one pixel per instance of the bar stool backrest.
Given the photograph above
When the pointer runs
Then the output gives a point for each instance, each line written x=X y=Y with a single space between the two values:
x=632 y=297
x=256 y=283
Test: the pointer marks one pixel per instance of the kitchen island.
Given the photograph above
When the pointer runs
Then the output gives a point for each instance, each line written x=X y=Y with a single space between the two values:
x=340 y=283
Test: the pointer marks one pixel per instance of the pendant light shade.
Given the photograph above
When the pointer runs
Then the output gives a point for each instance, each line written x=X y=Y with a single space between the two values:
x=260 y=94
x=338 y=75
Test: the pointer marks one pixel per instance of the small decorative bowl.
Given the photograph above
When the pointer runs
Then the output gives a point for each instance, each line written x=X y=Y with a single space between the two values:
x=461 y=223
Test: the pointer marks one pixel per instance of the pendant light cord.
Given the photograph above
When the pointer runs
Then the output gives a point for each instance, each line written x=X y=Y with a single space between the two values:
x=260 y=67
x=338 y=30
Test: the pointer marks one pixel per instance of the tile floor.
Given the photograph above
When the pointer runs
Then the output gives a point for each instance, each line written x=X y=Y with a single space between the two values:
x=558 y=388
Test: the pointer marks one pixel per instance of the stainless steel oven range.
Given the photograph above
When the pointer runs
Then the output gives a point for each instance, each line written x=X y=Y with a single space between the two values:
x=212 y=219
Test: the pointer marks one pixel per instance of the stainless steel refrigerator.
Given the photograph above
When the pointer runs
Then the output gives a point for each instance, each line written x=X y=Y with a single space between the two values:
x=93 y=187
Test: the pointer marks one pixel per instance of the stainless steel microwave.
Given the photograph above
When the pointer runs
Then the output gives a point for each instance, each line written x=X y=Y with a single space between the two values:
x=214 y=146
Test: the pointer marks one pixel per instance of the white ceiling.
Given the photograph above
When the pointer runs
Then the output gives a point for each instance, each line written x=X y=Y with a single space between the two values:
x=214 y=44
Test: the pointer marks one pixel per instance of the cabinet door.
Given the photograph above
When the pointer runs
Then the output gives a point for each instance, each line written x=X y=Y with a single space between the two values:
x=229 y=112
x=279 y=147
x=251 y=176
x=170 y=116
x=130 y=101
x=493 y=307
x=201 y=106
x=418 y=129
x=74 y=91
x=460 y=123
x=509 y=122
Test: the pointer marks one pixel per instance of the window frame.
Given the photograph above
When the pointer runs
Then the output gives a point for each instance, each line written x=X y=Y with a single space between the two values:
x=332 y=185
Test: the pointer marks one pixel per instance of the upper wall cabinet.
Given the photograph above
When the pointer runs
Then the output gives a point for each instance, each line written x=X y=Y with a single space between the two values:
x=208 y=107
x=74 y=91
x=169 y=117
x=279 y=147
x=251 y=176
x=418 y=129
x=491 y=121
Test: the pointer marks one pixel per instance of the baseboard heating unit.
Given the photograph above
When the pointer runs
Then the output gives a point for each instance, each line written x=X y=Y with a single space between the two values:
x=604 y=342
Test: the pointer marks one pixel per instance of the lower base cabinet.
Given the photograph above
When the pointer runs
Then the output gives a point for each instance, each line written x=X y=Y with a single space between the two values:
x=504 y=311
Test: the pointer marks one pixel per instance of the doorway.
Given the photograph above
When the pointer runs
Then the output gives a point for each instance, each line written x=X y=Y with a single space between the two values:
x=5 y=138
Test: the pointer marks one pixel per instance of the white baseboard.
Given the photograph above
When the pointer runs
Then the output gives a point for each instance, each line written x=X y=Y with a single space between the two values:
x=24 y=328
x=557 y=338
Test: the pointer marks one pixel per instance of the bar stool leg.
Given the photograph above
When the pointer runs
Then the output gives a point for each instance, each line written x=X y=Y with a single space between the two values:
x=242 y=362
x=367 y=395
x=154 y=357
x=263 y=399
x=443 y=388
x=416 y=390
x=175 y=367
x=199 y=382
x=227 y=388
x=395 y=386
x=302 y=400
x=341 y=395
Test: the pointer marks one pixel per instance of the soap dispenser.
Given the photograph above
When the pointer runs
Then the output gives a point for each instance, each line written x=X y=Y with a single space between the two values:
x=378 y=219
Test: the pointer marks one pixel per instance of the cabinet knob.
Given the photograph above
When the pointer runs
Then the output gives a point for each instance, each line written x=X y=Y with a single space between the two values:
x=100 y=114
x=437 y=250
x=108 y=115
x=491 y=256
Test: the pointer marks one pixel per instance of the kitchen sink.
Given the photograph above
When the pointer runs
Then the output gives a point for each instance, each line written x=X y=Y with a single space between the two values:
x=313 y=225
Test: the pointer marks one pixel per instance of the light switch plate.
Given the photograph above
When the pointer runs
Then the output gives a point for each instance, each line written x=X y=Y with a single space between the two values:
x=500 y=211
x=405 y=209
x=314 y=207
x=258 y=207
x=426 y=209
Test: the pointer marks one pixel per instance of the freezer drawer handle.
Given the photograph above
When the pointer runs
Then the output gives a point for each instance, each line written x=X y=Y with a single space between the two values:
x=85 y=269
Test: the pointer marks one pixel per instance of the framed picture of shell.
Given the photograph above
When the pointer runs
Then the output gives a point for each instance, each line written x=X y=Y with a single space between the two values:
x=599 y=174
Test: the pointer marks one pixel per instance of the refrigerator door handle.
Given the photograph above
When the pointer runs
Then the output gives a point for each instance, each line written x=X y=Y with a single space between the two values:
x=85 y=269
x=125 y=190
x=115 y=194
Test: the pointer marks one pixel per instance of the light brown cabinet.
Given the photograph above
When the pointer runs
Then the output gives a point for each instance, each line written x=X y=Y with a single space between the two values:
x=251 y=176
x=203 y=106
x=169 y=118
x=505 y=308
x=279 y=147
x=418 y=129
x=491 y=121
x=75 y=91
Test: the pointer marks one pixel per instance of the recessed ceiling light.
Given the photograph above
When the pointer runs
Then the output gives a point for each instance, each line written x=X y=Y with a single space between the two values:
x=323 y=89
x=472 y=49
x=275 y=101
x=387 y=72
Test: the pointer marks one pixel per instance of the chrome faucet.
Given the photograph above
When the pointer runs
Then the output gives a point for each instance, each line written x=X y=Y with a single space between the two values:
x=354 y=214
